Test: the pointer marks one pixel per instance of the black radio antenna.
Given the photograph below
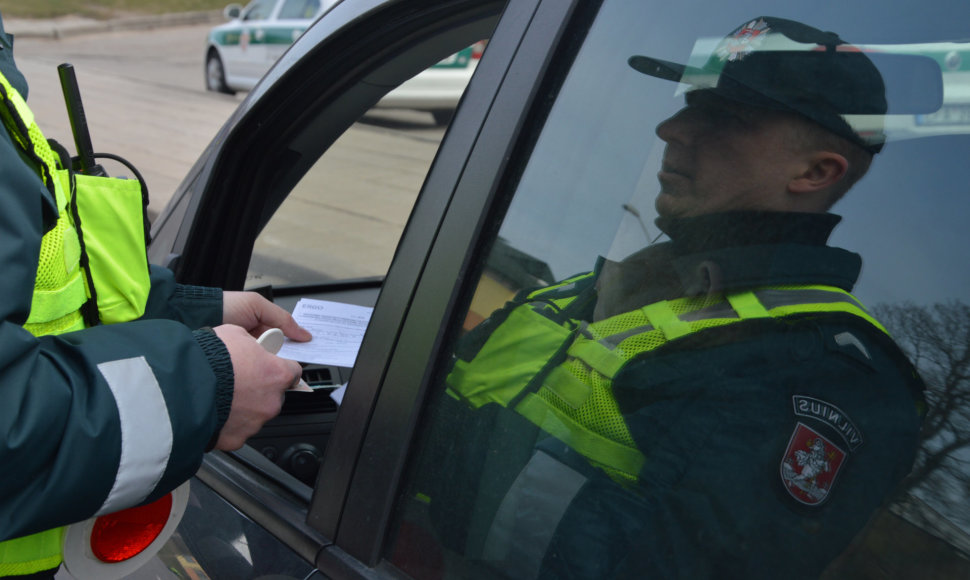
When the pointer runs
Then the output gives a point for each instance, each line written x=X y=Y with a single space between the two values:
x=85 y=162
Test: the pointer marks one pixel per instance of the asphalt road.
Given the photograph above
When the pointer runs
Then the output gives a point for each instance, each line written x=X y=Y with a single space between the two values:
x=145 y=100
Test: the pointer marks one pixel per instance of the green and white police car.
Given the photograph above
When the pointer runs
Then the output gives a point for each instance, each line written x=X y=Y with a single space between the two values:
x=239 y=52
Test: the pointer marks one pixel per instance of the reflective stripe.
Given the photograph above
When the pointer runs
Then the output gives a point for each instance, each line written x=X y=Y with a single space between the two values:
x=146 y=431
x=31 y=554
x=661 y=315
x=561 y=289
x=717 y=311
x=614 y=340
x=754 y=305
x=47 y=305
x=775 y=298
x=597 y=356
x=567 y=387
x=592 y=445
x=575 y=402
x=20 y=120
x=20 y=105
x=529 y=514
x=847 y=338
x=747 y=306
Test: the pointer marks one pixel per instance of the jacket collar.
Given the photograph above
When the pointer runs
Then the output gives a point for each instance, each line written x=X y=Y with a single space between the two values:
x=728 y=252
x=747 y=228
x=738 y=250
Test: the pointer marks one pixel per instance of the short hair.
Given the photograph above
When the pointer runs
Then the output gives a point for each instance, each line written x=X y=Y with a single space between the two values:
x=813 y=136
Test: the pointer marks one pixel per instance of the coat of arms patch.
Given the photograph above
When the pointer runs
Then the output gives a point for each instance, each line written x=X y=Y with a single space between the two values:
x=810 y=465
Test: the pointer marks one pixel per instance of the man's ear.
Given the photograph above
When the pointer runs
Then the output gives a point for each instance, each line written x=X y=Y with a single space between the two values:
x=823 y=169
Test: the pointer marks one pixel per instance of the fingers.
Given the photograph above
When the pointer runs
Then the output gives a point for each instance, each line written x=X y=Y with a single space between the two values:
x=257 y=314
x=291 y=329
x=260 y=381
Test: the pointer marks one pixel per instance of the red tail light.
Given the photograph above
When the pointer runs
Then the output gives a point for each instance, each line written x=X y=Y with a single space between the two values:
x=478 y=48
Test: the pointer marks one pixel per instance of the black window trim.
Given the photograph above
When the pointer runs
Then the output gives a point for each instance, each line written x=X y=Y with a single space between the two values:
x=376 y=478
x=343 y=450
x=263 y=494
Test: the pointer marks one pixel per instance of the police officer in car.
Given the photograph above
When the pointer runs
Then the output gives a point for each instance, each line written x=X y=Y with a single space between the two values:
x=718 y=405
x=100 y=411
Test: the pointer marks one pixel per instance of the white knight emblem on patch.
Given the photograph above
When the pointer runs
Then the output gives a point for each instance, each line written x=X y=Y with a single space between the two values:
x=810 y=465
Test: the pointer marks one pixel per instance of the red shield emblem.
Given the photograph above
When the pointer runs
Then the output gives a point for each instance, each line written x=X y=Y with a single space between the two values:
x=810 y=465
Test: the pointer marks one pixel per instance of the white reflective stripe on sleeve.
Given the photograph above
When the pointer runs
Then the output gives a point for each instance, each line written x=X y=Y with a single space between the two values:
x=146 y=431
x=529 y=515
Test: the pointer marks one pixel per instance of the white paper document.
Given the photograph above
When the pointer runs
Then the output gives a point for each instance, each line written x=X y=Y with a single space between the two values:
x=337 y=330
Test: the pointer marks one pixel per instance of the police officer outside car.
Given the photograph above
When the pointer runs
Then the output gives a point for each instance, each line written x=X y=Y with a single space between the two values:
x=97 y=417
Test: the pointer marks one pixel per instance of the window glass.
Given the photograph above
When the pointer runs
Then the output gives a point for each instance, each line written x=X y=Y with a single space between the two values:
x=299 y=9
x=680 y=359
x=342 y=221
x=345 y=216
x=259 y=10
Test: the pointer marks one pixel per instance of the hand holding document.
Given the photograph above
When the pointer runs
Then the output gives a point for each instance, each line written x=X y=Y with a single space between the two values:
x=272 y=341
x=337 y=329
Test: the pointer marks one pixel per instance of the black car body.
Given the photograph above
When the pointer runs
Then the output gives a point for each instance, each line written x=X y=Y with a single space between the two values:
x=548 y=163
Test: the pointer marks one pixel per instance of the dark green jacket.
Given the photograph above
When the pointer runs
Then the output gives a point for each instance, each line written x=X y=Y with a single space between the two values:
x=727 y=418
x=60 y=454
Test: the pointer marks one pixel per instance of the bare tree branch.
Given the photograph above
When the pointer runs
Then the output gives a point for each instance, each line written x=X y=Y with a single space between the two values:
x=937 y=340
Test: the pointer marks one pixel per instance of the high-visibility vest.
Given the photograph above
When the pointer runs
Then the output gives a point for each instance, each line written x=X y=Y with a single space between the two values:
x=72 y=265
x=558 y=372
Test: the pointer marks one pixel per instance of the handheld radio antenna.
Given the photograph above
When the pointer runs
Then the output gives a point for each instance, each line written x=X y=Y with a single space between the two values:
x=79 y=124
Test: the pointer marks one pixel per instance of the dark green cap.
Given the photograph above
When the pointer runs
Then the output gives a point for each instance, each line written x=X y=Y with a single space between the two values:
x=783 y=64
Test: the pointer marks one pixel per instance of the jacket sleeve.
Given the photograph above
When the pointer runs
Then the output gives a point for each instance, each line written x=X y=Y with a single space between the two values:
x=729 y=489
x=100 y=419
x=194 y=306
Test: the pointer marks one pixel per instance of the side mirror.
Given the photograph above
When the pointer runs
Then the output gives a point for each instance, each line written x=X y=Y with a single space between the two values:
x=232 y=11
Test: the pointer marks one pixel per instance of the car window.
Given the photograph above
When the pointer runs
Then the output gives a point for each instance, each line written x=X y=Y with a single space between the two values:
x=350 y=208
x=677 y=357
x=339 y=195
x=299 y=9
x=259 y=10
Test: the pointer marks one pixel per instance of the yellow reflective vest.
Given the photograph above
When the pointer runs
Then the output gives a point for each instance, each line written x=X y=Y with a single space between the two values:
x=92 y=269
x=558 y=372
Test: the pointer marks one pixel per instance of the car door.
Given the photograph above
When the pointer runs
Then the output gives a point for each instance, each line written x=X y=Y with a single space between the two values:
x=250 y=57
x=302 y=150
x=574 y=184
x=550 y=165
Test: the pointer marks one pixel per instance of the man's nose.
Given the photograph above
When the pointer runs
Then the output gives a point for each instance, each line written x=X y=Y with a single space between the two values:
x=675 y=128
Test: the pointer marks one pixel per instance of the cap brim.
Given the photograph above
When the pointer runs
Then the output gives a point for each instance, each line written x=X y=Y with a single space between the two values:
x=661 y=69
x=742 y=93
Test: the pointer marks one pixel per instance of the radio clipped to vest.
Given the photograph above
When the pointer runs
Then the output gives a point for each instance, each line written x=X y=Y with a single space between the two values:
x=110 y=216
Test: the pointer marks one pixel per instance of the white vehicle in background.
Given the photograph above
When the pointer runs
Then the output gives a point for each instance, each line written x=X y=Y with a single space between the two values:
x=437 y=89
x=239 y=52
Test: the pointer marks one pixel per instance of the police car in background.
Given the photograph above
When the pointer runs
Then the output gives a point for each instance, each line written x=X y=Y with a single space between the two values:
x=240 y=52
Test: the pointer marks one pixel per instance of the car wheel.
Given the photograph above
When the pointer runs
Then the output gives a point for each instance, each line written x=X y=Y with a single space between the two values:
x=442 y=116
x=215 y=75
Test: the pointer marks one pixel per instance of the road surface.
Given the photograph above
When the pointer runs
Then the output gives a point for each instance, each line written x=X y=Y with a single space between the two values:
x=145 y=100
